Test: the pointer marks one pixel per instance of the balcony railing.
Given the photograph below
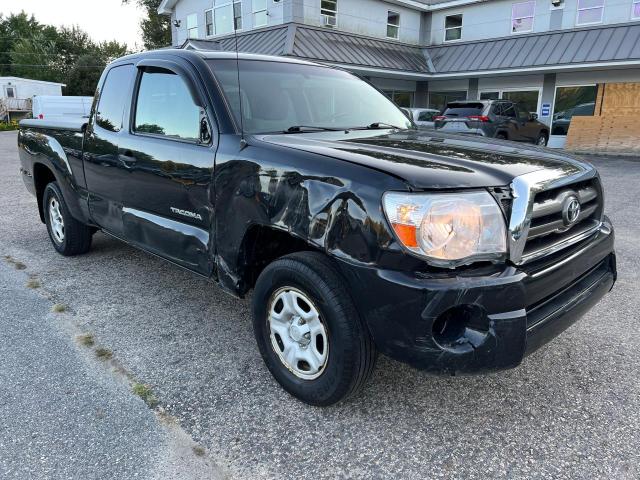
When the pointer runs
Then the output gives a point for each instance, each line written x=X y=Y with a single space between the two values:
x=15 y=104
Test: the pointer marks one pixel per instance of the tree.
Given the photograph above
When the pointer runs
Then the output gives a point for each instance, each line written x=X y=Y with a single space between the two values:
x=156 y=28
x=35 y=58
x=43 y=52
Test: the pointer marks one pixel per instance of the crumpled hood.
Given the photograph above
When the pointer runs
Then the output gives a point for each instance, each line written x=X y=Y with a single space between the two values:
x=433 y=160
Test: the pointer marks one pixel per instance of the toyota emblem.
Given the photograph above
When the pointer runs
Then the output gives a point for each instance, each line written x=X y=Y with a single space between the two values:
x=570 y=210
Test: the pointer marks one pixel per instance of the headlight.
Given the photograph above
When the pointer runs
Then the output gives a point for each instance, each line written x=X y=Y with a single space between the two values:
x=448 y=229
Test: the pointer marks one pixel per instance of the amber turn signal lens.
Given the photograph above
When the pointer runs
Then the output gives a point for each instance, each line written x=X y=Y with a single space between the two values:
x=406 y=234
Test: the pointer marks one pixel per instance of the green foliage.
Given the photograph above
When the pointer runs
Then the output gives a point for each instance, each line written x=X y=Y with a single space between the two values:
x=6 y=127
x=42 y=52
x=156 y=28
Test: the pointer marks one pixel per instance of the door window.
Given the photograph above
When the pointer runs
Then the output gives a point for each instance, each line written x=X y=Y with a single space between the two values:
x=113 y=97
x=489 y=95
x=572 y=102
x=527 y=100
x=11 y=92
x=165 y=107
x=439 y=100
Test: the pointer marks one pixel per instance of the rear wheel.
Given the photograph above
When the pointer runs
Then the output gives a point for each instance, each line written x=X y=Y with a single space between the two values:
x=68 y=236
x=501 y=136
x=542 y=139
x=308 y=330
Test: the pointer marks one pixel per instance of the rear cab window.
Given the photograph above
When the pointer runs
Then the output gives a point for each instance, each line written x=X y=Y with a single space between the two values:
x=114 y=97
x=464 y=109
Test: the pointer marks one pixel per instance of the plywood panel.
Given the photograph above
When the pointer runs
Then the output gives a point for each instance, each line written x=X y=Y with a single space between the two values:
x=615 y=126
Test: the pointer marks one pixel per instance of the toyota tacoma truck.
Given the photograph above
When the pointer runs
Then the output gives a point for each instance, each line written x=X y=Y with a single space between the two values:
x=355 y=233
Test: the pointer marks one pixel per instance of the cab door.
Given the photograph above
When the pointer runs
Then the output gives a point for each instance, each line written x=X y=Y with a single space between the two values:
x=105 y=176
x=168 y=155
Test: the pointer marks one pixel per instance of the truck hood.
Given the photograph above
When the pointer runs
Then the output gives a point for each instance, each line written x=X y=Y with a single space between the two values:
x=433 y=160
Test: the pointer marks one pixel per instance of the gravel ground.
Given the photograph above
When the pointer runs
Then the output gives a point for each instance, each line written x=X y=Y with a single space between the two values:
x=571 y=410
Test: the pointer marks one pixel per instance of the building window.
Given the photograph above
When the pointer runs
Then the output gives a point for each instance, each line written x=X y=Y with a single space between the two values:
x=329 y=12
x=11 y=92
x=452 y=27
x=393 y=24
x=572 y=102
x=224 y=18
x=438 y=100
x=208 y=22
x=400 y=98
x=635 y=13
x=527 y=100
x=590 y=11
x=192 y=25
x=259 y=10
x=522 y=15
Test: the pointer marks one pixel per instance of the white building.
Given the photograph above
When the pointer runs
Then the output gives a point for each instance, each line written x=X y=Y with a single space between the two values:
x=16 y=95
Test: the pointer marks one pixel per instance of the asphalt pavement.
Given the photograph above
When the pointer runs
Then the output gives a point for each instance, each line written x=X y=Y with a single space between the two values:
x=571 y=410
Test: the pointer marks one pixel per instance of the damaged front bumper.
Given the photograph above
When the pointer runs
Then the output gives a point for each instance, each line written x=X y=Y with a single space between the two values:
x=476 y=323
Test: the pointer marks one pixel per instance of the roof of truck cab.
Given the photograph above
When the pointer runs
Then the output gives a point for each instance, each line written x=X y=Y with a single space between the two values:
x=214 y=55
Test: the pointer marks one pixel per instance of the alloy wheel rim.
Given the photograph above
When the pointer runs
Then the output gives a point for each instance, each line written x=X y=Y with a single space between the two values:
x=57 y=223
x=298 y=334
x=542 y=141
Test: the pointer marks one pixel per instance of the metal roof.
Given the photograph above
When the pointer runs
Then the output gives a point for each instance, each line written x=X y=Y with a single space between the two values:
x=567 y=47
x=324 y=45
x=575 y=47
x=358 y=50
x=269 y=41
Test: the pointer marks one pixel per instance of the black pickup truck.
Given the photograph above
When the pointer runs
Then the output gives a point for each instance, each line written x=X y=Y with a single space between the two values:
x=356 y=232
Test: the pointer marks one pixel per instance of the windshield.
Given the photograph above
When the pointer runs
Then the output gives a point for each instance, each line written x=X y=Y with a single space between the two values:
x=277 y=96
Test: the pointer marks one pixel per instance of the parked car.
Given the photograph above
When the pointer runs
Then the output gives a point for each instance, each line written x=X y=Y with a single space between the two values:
x=356 y=232
x=423 y=117
x=56 y=106
x=493 y=118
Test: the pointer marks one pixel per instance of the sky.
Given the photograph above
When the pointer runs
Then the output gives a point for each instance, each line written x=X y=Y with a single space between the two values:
x=101 y=19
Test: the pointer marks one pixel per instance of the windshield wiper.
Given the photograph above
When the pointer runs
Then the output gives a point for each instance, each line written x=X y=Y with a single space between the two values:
x=376 y=126
x=311 y=128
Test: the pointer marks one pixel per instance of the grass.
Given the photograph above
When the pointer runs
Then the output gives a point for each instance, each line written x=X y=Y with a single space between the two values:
x=86 y=340
x=18 y=265
x=145 y=392
x=8 y=126
x=199 y=451
x=59 y=308
x=104 y=353
x=33 y=283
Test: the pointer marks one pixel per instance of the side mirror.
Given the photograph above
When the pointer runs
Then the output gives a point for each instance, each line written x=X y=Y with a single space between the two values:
x=533 y=116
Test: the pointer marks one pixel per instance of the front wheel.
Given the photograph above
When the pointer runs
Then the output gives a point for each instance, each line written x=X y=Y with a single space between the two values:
x=308 y=330
x=68 y=236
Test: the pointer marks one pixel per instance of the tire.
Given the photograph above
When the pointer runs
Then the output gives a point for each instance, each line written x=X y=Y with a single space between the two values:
x=349 y=352
x=542 y=140
x=501 y=136
x=68 y=236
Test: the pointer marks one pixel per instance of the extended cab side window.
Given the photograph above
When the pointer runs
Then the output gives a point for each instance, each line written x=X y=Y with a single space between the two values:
x=165 y=107
x=113 y=97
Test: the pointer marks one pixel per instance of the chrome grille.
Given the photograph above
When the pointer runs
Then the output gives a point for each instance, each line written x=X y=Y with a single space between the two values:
x=550 y=226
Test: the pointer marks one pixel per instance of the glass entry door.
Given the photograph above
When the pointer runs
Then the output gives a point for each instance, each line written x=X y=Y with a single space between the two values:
x=574 y=101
